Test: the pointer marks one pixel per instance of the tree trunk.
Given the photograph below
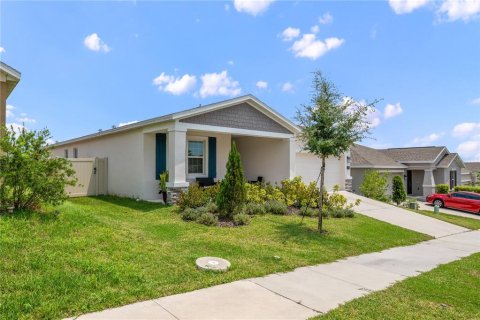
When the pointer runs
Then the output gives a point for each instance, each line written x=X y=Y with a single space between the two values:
x=320 y=201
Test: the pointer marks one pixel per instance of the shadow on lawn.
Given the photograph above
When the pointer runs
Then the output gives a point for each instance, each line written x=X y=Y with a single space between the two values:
x=298 y=232
x=143 y=206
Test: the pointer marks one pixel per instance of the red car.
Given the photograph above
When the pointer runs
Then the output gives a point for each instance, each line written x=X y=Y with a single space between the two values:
x=466 y=201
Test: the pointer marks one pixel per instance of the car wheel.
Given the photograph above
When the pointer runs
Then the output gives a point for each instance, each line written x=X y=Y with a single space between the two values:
x=438 y=202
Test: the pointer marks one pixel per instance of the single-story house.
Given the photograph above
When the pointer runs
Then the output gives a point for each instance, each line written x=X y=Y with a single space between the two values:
x=421 y=167
x=471 y=173
x=9 y=78
x=195 y=143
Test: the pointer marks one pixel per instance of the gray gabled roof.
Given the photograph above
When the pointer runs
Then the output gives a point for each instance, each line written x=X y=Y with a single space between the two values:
x=473 y=166
x=448 y=159
x=365 y=157
x=415 y=154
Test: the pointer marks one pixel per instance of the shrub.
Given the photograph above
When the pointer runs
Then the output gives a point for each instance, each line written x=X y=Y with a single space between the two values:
x=274 y=193
x=255 y=208
x=241 y=219
x=341 y=213
x=190 y=214
x=308 y=212
x=211 y=207
x=374 y=185
x=232 y=188
x=29 y=175
x=276 y=207
x=208 y=219
x=398 y=190
x=298 y=194
x=255 y=193
x=468 y=188
x=194 y=197
x=442 y=188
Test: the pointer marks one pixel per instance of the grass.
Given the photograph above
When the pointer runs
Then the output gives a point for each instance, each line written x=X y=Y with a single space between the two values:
x=450 y=291
x=468 y=223
x=104 y=252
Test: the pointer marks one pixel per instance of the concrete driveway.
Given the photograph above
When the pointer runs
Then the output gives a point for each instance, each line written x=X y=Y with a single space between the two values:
x=453 y=212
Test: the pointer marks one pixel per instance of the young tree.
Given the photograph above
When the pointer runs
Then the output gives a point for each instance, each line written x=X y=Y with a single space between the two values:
x=330 y=124
x=374 y=185
x=232 y=193
x=29 y=176
x=398 y=190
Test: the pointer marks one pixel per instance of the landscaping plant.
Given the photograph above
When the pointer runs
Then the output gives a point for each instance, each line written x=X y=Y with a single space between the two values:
x=29 y=175
x=467 y=188
x=232 y=188
x=331 y=124
x=399 y=194
x=442 y=188
x=375 y=185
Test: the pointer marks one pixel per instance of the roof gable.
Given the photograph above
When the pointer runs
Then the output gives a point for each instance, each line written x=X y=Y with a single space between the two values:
x=365 y=157
x=415 y=154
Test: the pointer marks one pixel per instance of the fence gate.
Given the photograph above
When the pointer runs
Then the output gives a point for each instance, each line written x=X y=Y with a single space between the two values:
x=92 y=178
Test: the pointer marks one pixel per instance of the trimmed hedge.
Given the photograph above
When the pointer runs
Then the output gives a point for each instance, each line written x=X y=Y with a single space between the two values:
x=442 y=188
x=468 y=188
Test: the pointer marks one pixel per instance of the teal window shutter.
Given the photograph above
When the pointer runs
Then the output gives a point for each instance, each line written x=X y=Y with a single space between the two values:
x=160 y=154
x=212 y=157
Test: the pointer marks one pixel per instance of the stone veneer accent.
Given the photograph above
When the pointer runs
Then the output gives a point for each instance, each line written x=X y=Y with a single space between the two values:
x=241 y=116
x=173 y=193
x=348 y=185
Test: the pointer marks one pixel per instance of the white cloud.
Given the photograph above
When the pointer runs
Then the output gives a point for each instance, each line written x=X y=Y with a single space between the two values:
x=231 y=62
x=466 y=129
x=262 y=84
x=94 y=43
x=253 y=7
x=309 y=47
x=26 y=120
x=121 y=124
x=427 y=140
x=288 y=87
x=470 y=150
x=459 y=10
x=175 y=85
x=315 y=29
x=406 y=6
x=2 y=50
x=373 y=117
x=392 y=110
x=290 y=33
x=326 y=18
x=476 y=101
x=219 y=84
x=10 y=113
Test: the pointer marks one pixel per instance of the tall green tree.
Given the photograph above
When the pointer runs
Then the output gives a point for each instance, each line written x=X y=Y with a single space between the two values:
x=331 y=124
x=232 y=193
x=398 y=190
x=29 y=175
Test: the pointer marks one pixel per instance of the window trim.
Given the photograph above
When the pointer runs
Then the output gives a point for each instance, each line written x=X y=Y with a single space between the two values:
x=205 y=157
x=75 y=153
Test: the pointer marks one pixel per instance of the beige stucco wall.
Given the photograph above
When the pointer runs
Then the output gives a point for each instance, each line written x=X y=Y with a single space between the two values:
x=308 y=167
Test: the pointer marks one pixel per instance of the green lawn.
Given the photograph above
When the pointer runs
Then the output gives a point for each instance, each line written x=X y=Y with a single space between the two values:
x=469 y=223
x=451 y=291
x=104 y=252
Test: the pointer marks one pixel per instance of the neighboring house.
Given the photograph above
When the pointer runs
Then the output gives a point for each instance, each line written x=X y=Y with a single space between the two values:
x=424 y=167
x=472 y=172
x=9 y=77
x=195 y=143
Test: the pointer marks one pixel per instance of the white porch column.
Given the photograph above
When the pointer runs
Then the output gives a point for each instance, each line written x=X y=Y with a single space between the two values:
x=176 y=158
x=428 y=182
x=292 y=154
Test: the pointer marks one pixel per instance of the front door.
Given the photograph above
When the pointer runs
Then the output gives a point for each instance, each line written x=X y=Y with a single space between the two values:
x=453 y=179
x=409 y=181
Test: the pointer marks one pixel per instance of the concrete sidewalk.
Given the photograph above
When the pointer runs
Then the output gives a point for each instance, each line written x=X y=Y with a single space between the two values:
x=403 y=218
x=429 y=207
x=309 y=291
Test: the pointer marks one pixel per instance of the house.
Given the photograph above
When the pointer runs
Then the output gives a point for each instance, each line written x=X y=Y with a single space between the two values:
x=195 y=143
x=471 y=173
x=421 y=167
x=9 y=78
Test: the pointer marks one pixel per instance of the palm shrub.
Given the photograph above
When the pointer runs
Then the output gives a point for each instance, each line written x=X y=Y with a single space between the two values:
x=232 y=188
x=399 y=194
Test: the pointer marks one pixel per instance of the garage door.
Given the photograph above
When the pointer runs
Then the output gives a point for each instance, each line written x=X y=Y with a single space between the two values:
x=308 y=167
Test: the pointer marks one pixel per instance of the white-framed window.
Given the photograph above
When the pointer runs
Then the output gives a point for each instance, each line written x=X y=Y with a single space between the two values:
x=66 y=153
x=197 y=157
x=75 y=153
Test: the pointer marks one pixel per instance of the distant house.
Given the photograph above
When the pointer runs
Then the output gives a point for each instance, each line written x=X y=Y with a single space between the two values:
x=9 y=77
x=471 y=173
x=421 y=167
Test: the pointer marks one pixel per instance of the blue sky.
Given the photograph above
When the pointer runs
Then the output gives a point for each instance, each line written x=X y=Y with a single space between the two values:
x=91 y=65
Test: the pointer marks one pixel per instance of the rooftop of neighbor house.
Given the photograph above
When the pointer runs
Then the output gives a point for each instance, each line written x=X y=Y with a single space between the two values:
x=368 y=157
x=473 y=166
x=12 y=76
x=415 y=154
x=249 y=98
